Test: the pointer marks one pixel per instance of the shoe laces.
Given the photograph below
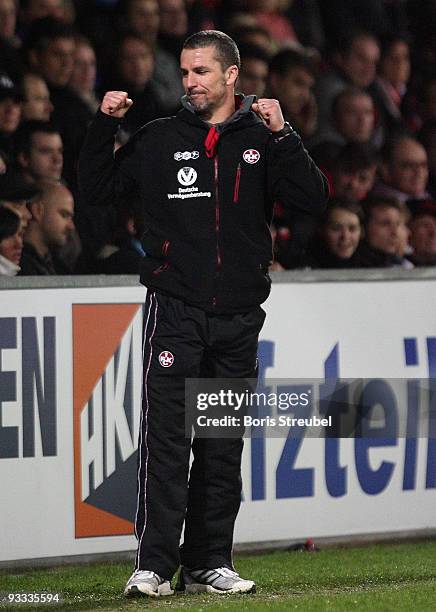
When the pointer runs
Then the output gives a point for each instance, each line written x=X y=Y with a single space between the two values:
x=228 y=573
x=146 y=574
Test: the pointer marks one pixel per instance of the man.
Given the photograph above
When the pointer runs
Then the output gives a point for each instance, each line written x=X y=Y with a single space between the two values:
x=10 y=111
x=253 y=75
x=36 y=104
x=39 y=151
x=11 y=242
x=404 y=169
x=207 y=179
x=353 y=171
x=423 y=232
x=383 y=225
x=15 y=193
x=49 y=229
x=291 y=81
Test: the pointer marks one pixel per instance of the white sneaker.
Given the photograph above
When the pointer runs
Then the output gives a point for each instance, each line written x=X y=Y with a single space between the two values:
x=144 y=582
x=220 y=580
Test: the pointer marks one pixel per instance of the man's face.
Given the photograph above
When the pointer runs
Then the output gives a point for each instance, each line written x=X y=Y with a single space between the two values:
x=136 y=63
x=423 y=238
x=360 y=64
x=8 y=17
x=395 y=64
x=20 y=207
x=56 y=62
x=45 y=160
x=57 y=220
x=173 y=17
x=383 y=229
x=342 y=233
x=37 y=104
x=354 y=185
x=204 y=80
x=253 y=76
x=10 y=115
x=12 y=247
x=354 y=118
x=85 y=68
x=407 y=171
x=294 y=89
x=143 y=17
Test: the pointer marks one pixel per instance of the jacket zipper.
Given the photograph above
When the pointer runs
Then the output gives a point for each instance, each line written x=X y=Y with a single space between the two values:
x=217 y=224
x=237 y=183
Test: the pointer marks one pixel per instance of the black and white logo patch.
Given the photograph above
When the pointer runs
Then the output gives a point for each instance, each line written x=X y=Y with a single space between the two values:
x=187 y=176
x=186 y=155
x=251 y=156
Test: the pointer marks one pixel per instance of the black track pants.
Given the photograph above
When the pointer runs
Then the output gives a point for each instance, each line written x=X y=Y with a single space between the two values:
x=181 y=341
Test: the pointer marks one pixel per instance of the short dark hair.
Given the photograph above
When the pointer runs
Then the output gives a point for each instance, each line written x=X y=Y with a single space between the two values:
x=355 y=156
x=373 y=203
x=227 y=51
x=23 y=138
x=394 y=139
x=44 y=31
x=346 y=94
x=9 y=223
x=343 y=44
x=287 y=59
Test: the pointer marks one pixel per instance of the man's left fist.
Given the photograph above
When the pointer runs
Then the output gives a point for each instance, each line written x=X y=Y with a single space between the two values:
x=270 y=112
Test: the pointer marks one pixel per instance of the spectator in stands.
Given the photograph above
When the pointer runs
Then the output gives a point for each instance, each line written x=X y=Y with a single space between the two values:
x=404 y=169
x=390 y=86
x=3 y=162
x=427 y=100
x=10 y=112
x=32 y=10
x=15 y=193
x=427 y=137
x=49 y=229
x=39 y=151
x=50 y=51
x=423 y=233
x=291 y=82
x=270 y=15
x=142 y=18
x=253 y=75
x=9 y=42
x=134 y=65
x=84 y=75
x=355 y=60
x=382 y=242
x=252 y=34
x=128 y=253
x=173 y=26
x=338 y=237
x=11 y=242
x=353 y=171
x=36 y=104
x=353 y=119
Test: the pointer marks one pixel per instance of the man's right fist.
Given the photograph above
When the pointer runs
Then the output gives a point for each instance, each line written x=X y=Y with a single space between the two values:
x=116 y=103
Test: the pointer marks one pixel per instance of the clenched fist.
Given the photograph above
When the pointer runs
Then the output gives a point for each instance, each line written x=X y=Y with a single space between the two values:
x=116 y=103
x=270 y=112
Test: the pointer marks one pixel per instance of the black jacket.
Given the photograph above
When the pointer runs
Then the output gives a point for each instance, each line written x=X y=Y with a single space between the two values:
x=208 y=240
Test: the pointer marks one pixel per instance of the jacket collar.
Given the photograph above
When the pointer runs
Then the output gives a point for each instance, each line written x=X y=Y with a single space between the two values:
x=243 y=112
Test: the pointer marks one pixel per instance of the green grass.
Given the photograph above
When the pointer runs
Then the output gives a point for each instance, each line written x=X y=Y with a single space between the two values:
x=380 y=577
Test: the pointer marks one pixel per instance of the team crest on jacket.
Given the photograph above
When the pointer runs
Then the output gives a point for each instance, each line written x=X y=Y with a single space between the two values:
x=187 y=176
x=251 y=156
x=166 y=359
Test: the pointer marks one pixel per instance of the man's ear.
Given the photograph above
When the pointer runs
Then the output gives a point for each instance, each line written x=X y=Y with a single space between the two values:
x=36 y=210
x=231 y=74
x=33 y=58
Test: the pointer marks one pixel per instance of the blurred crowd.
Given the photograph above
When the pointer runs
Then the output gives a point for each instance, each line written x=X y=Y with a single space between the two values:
x=355 y=78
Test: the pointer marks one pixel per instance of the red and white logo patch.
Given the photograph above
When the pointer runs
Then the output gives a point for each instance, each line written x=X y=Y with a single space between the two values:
x=251 y=156
x=166 y=359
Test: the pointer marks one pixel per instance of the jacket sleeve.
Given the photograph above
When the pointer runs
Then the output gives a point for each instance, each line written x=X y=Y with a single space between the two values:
x=103 y=176
x=293 y=177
